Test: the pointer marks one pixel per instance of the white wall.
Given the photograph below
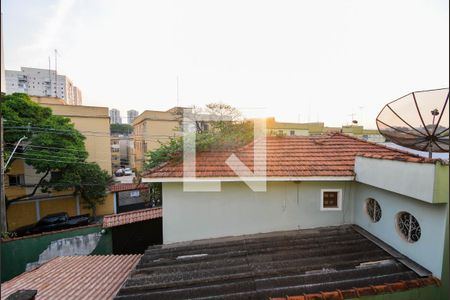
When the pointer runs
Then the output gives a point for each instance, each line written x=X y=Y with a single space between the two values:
x=407 y=178
x=237 y=210
x=428 y=250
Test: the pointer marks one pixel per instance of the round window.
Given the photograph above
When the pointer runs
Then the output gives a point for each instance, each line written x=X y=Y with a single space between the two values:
x=373 y=210
x=408 y=226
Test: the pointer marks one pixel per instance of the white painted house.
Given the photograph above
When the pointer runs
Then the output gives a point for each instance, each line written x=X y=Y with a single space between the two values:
x=312 y=182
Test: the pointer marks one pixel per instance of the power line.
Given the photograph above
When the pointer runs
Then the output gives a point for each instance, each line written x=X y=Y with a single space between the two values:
x=94 y=135
x=43 y=159
x=48 y=147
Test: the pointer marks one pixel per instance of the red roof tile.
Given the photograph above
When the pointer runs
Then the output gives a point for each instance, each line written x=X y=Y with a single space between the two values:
x=121 y=187
x=131 y=217
x=367 y=291
x=324 y=155
x=75 y=277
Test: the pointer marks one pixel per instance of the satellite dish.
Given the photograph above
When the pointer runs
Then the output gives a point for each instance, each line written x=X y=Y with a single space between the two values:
x=418 y=121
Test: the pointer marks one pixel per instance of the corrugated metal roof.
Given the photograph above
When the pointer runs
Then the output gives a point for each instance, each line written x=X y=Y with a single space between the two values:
x=325 y=155
x=75 y=277
x=132 y=217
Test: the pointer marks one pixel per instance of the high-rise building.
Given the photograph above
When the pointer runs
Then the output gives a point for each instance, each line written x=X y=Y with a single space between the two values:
x=114 y=114
x=43 y=83
x=131 y=115
x=3 y=83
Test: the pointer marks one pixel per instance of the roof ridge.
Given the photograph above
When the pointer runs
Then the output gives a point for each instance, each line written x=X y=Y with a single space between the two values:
x=404 y=152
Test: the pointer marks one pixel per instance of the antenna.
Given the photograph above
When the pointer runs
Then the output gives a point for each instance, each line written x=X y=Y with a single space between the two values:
x=353 y=117
x=428 y=130
x=56 y=74
x=50 y=75
x=360 y=114
x=178 y=94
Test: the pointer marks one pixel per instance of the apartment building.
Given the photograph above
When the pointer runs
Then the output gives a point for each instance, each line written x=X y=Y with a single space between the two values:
x=2 y=61
x=131 y=115
x=274 y=128
x=115 y=153
x=43 y=83
x=114 y=114
x=121 y=150
x=150 y=129
x=93 y=123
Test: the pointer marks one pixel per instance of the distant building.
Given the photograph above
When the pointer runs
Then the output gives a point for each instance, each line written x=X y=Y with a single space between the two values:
x=2 y=75
x=150 y=129
x=275 y=128
x=42 y=83
x=131 y=115
x=114 y=114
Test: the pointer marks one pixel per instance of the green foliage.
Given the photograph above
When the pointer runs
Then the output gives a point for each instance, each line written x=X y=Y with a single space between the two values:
x=124 y=129
x=87 y=180
x=226 y=133
x=168 y=151
x=153 y=195
x=6 y=235
x=53 y=145
x=52 y=141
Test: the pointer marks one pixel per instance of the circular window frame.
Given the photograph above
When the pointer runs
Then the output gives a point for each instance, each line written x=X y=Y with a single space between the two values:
x=373 y=217
x=413 y=232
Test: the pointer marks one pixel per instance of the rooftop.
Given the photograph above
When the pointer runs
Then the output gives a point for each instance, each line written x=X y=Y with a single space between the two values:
x=132 y=217
x=122 y=187
x=330 y=260
x=75 y=277
x=324 y=155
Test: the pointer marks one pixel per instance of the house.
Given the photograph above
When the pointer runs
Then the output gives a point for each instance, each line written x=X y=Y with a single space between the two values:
x=315 y=182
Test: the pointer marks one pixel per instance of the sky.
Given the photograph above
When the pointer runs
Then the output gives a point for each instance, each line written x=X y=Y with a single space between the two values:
x=307 y=61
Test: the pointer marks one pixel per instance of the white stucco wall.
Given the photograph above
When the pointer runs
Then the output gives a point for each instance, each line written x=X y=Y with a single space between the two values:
x=237 y=210
x=407 y=178
x=428 y=251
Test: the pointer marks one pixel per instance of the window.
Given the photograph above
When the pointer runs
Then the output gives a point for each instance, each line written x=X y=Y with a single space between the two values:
x=16 y=180
x=331 y=199
x=373 y=210
x=408 y=227
x=134 y=194
x=292 y=132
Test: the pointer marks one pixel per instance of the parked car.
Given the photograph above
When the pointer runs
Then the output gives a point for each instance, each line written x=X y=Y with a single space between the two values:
x=127 y=172
x=119 y=172
x=53 y=222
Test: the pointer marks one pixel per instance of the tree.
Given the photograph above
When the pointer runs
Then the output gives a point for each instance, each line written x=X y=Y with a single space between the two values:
x=125 y=129
x=52 y=142
x=227 y=131
x=88 y=181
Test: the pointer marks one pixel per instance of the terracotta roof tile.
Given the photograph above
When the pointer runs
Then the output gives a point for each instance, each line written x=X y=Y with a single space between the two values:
x=121 y=187
x=75 y=277
x=131 y=217
x=367 y=291
x=325 y=155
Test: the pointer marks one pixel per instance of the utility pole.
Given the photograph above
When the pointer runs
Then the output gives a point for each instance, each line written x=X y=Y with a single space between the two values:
x=3 y=223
